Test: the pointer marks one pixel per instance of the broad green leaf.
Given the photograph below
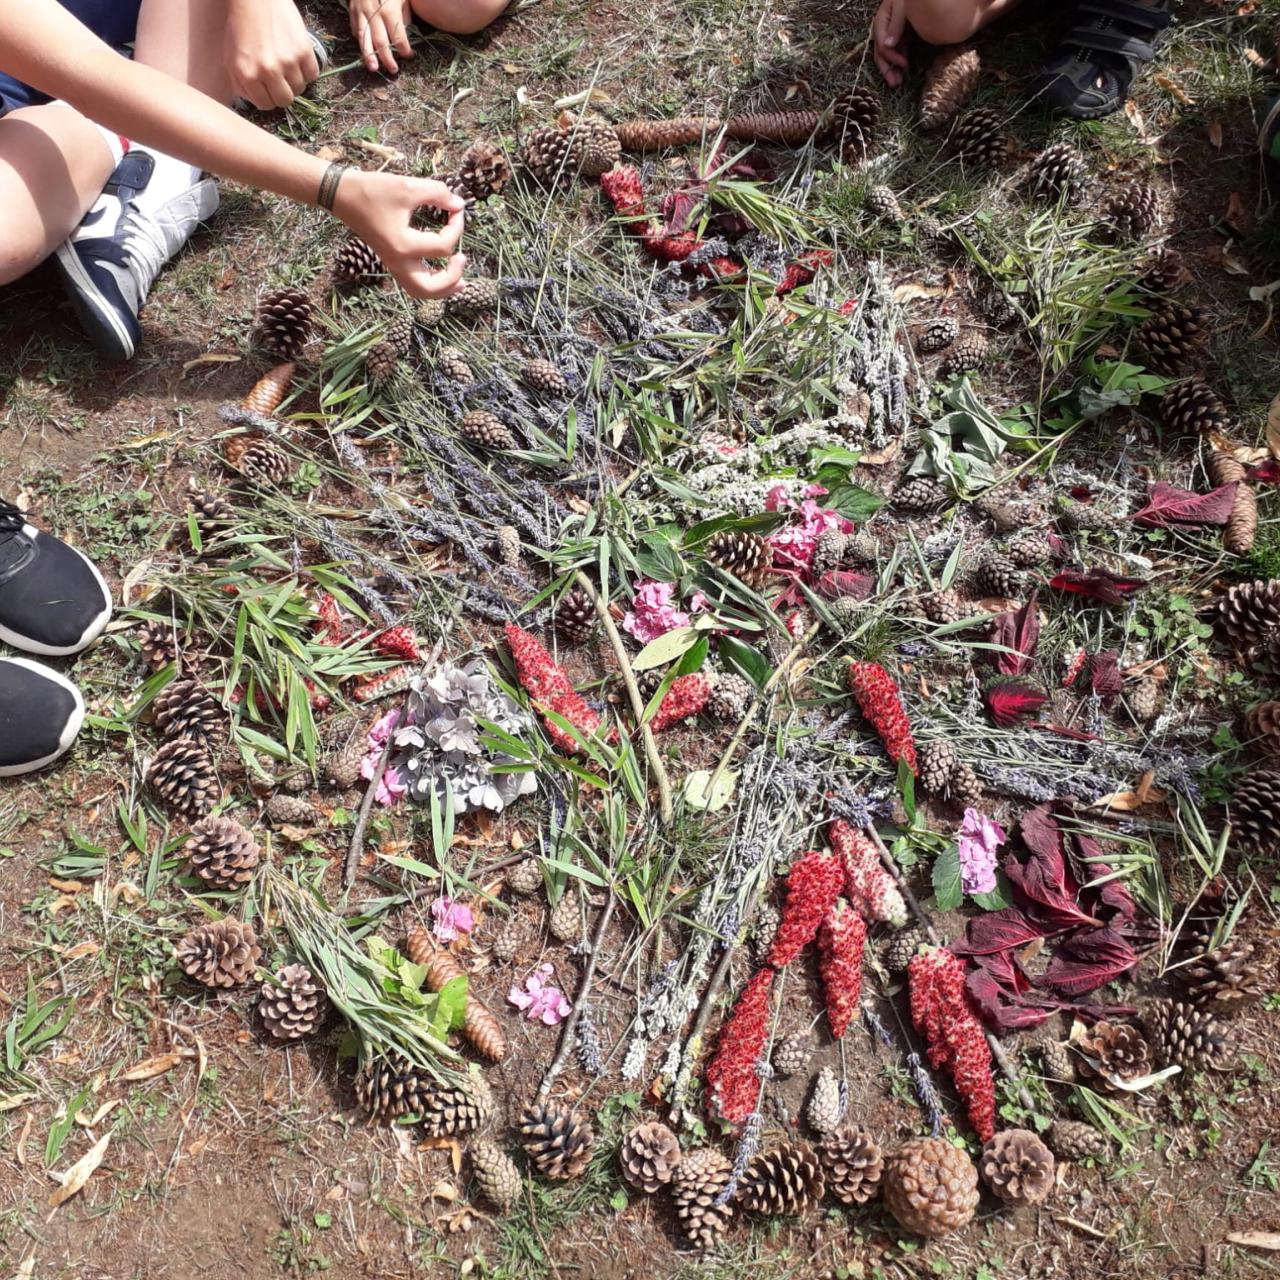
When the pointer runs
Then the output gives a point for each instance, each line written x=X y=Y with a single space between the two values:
x=665 y=649
x=947 y=889
x=745 y=660
x=697 y=795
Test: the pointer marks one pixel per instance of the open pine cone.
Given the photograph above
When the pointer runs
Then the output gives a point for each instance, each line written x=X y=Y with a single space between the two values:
x=223 y=953
x=222 y=853
x=698 y=1184
x=292 y=1005
x=650 y=1155
x=449 y=1108
x=930 y=1187
x=1018 y=1167
x=1185 y=1036
x=182 y=774
x=853 y=1163
x=557 y=1139
x=783 y=1181
x=1120 y=1050
x=184 y=708
x=390 y=1087
x=1233 y=975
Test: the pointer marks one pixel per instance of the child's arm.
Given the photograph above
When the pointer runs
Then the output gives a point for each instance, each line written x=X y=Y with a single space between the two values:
x=48 y=48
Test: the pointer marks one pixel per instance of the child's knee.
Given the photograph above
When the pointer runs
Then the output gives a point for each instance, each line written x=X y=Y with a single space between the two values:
x=21 y=250
x=939 y=22
x=459 y=17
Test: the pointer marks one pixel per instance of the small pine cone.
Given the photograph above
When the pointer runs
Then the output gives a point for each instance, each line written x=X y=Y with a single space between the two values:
x=696 y=1189
x=221 y=853
x=997 y=575
x=293 y=1005
x=1262 y=728
x=483 y=171
x=966 y=786
x=1009 y=517
x=428 y=312
x=391 y=1087
x=544 y=378
x=932 y=234
x=1173 y=335
x=342 y=768
x=221 y=954
x=1118 y=1049
x=1194 y=407
x=948 y=84
x=1163 y=272
x=763 y=929
x=1242 y=525
x=158 y=644
x=1058 y=172
x=1249 y=610
x=1027 y=550
x=596 y=147
x=828 y=552
x=966 y=355
x=550 y=155
x=211 y=511
x=576 y=616
x=904 y=945
x=525 y=877
x=979 y=139
x=862 y=548
x=785 y=1180
x=482 y=428
x=747 y=556
x=1018 y=1167
x=449 y=1109
x=938 y=333
x=731 y=695
x=930 y=1186
x=1082 y=515
x=556 y=1139
x=792 y=1053
x=284 y=322
x=451 y=365
x=884 y=204
x=564 y=920
x=919 y=494
x=494 y=1173
x=825 y=1108
x=1074 y=1140
x=474 y=296
x=1143 y=700
x=936 y=759
x=1058 y=1061
x=292 y=811
x=356 y=264
x=506 y=943
x=944 y=607
x=1133 y=211
x=183 y=776
x=399 y=335
x=184 y=708
x=853 y=1164
x=650 y=1156
x=1233 y=975
x=992 y=302
x=1185 y=1036
x=853 y=119
x=506 y=543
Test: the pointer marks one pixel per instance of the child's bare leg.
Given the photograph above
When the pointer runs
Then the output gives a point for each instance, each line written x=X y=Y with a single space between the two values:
x=184 y=39
x=948 y=22
x=459 y=17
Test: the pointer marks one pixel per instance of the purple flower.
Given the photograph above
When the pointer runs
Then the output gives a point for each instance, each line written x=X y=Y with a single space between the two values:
x=451 y=919
x=652 y=613
x=540 y=1001
x=979 y=839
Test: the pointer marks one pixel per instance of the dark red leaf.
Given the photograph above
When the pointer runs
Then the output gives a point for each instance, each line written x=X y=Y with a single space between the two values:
x=1104 y=674
x=1266 y=472
x=1000 y=1010
x=1087 y=960
x=837 y=583
x=1010 y=699
x=1167 y=504
x=1045 y=879
x=1057 y=546
x=1087 y=862
x=1081 y=493
x=1098 y=584
x=1018 y=631
x=996 y=931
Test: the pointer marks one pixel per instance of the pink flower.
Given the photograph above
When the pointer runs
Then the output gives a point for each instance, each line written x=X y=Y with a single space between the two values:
x=390 y=786
x=451 y=919
x=979 y=839
x=794 y=545
x=698 y=602
x=540 y=1001
x=652 y=613
x=779 y=499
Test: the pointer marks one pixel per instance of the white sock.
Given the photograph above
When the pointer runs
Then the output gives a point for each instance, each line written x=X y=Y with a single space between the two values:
x=115 y=143
x=171 y=178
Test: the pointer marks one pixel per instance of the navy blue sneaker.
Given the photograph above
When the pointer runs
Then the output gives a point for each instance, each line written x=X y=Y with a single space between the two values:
x=52 y=600
x=40 y=714
x=116 y=253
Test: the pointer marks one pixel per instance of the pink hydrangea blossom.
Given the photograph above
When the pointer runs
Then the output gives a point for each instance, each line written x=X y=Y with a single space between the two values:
x=698 y=602
x=390 y=786
x=451 y=918
x=794 y=544
x=540 y=1001
x=652 y=612
x=979 y=839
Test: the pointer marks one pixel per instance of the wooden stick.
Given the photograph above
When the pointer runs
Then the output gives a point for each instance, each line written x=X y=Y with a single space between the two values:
x=692 y=1044
x=666 y=807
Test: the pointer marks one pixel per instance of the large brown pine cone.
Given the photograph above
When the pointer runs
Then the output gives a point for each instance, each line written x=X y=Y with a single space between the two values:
x=853 y=1163
x=1185 y=1036
x=222 y=853
x=223 y=953
x=853 y=120
x=790 y=128
x=184 y=708
x=1057 y=172
x=1018 y=1167
x=557 y=1139
x=449 y=1108
x=1262 y=728
x=356 y=263
x=1193 y=407
x=390 y=1087
x=1234 y=974
x=930 y=1187
x=284 y=322
x=650 y=1155
x=1249 y=610
x=656 y=135
x=746 y=556
x=483 y=171
x=697 y=1187
x=948 y=84
x=158 y=644
x=1132 y=211
x=293 y=1004
x=1120 y=1050
x=979 y=138
x=782 y=1181
x=182 y=775
x=1174 y=335
x=1255 y=810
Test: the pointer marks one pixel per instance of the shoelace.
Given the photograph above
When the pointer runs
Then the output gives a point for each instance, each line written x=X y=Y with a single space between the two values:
x=144 y=247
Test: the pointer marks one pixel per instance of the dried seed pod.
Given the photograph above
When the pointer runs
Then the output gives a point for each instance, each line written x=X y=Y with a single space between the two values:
x=480 y=1026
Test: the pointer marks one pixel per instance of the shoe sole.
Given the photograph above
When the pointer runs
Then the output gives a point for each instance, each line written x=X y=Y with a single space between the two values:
x=97 y=316
x=87 y=636
x=69 y=733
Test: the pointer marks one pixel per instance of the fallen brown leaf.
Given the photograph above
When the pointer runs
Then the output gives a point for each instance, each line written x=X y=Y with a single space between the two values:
x=1215 y=135
x=68 y=886
x=1256 y=1239
x=148 y=1068
x=1237 y=217
x=1231 y=260
x=75 y=1178
x=92 y=1122
x=1170 y=85
x=911 y=291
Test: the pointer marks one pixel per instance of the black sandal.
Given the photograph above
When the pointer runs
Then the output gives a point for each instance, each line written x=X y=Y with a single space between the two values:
x=1101 y=55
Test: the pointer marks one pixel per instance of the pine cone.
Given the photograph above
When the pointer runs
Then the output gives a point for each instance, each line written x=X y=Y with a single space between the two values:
x=825 y=1108
x=223 y=953
x=1018 y=1167
x=1082 y=515
x=1074 y=1140
x=948 y=84
x=291 y=811
x=791 y=1054
x=650 y=1156
x=1233 y=975
x=1242 y=524
x=1027 y=550
x=1059 y=1062
x=884 y=204
x=697 y=1186
x=441 y=967
x=494 y=1173
x=992 y=302
x=1007 y=516
x=342 y=768
x=575 y=617
x=257 y=459
x=979 y=139
x=747 y=556
x=1057 y=172
x=293 y=1005
x=479 y=427
x=184 y=708
x=657 y=135
x=391 y=1087
x=544 y=378
x=557 y=1139
x=930 y=1187
x=183 y=776
x=1133 y=211
x=1144 y=700
x=596 y=147
x=428 y=312
x=1193 y=407
x=1249 y=610
x=1119 y=1050
x=399 y=336
x=966 y=355
x=1184 y=1036
x=284 y=322
x=997 y=575
x=525 y=877
x=903 y=946
x=763 y=929
x=1163 y=272
x=506 y=543
x=789 y=128
x=158 y=644
x=940 y=332
x=853 y=120
x=944 y=607
x=862 y=548
x=506 y=943
x=221 y=853
x=449 y=1109
x=936 y=759
x=1173 y=335
x=853 y=1164
x=451 y=365
x=1262 y=728
x=550 y=155
x=965 y=786
x=473 y=297
x=356 y=264
x=211 y=511
x=919 y=494
x=828 y=552
x=483 y=171
x=731 y=695
x=783 y=1181
x=564 y=920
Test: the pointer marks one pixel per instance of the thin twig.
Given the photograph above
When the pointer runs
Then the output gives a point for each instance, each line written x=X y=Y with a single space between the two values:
x=694 y=1041
x=579 y=1002
x=666 y=808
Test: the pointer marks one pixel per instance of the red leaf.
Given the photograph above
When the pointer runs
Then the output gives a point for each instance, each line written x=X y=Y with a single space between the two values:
x=1087 y=960
x=997 y=931
x=1098 y=584
x=1020 y=632
x=843 y=583
x=1087 y=863
x=1045 y=879
x=1011 y=699
x=1104 y=674
x=1167 y=504
x=1266 y=472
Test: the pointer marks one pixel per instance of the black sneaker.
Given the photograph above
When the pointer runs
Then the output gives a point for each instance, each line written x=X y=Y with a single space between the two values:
x=52 y=600
x=40 y=715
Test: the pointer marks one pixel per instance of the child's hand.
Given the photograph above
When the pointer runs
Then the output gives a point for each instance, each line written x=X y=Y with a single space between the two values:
x=268 y=54
x=381 y=30
x=887 y=29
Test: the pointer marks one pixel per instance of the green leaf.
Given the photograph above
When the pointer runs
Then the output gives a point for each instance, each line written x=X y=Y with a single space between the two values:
x=998 y=898
x=745 y=660
x=696 y=795
x=763 y=523
x=693 y=660
x=907 y=785
x=853 y=501
x=451 y=1011
x=665 y=649
x=947 y=889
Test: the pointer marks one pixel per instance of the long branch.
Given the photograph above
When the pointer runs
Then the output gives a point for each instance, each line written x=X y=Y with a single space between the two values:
x=693 y=1040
